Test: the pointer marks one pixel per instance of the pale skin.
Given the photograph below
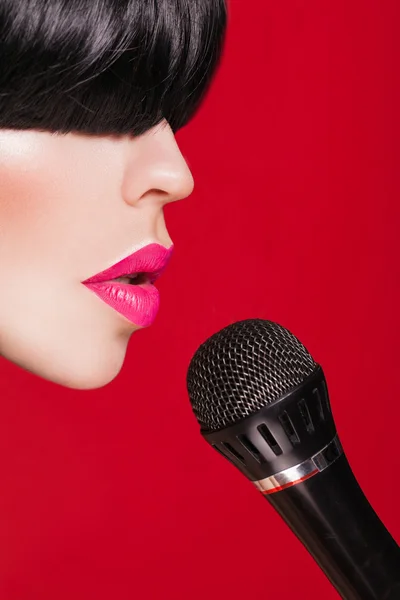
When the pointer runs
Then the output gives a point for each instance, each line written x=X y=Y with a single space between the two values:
x=70 y=206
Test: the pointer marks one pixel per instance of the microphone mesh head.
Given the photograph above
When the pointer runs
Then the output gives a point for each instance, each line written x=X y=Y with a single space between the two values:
x=242 y=368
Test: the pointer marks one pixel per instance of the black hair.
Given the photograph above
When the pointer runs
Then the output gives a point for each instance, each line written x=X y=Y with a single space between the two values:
x=106 y=66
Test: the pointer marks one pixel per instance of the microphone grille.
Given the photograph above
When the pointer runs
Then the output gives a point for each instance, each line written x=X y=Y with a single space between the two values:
x=243 y=368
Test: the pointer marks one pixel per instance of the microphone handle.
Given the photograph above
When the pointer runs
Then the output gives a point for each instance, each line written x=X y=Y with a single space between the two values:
x=331 y=516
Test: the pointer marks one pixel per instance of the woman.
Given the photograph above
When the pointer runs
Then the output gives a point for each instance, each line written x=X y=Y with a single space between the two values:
x=91 y=94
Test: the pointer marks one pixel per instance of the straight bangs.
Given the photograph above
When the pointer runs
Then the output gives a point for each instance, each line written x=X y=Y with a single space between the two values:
x=106 y=66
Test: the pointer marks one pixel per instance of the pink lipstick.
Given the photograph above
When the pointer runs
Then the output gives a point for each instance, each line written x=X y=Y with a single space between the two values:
x=128 y=286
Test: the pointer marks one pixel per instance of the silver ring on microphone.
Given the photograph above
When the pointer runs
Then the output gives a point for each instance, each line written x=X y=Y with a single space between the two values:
x=308 y=468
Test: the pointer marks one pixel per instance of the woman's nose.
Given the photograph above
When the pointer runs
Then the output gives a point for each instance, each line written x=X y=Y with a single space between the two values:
x=155 y=168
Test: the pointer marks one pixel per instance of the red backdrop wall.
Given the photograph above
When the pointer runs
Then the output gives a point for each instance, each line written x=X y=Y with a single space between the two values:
x=112 y=493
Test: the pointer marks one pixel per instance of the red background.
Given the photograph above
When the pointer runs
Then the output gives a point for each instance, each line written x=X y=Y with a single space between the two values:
x=112 y=493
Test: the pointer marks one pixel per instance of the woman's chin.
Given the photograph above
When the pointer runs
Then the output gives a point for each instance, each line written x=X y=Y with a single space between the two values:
x=83 y=368
x=85 y=379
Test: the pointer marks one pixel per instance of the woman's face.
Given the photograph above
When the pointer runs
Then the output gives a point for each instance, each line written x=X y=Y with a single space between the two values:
x=71 y=206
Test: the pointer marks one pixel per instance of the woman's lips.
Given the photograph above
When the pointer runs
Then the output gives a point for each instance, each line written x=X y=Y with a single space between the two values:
x=138 y=303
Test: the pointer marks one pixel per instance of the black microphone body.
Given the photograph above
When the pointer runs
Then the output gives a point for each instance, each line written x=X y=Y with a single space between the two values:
x=286 y=443
x=331 y=516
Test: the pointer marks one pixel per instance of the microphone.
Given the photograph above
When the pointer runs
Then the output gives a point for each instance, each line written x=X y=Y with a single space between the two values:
x=262 y=402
